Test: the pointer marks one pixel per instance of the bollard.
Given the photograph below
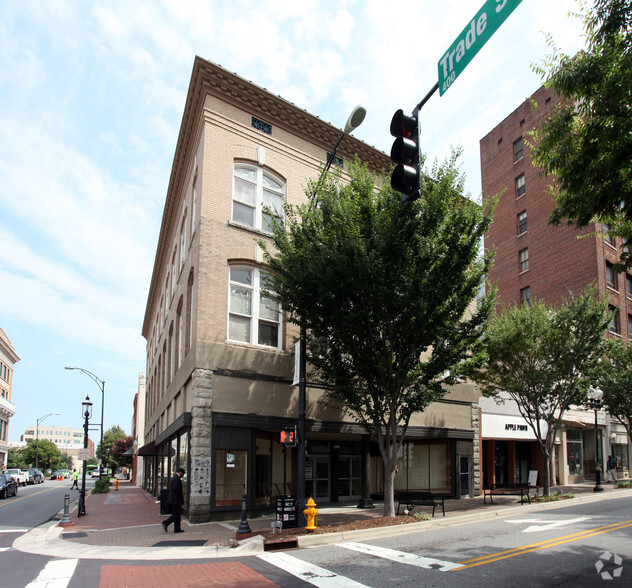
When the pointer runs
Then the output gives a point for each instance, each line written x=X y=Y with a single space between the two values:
x=66 y=521
x=310 y=514
x=244 y=529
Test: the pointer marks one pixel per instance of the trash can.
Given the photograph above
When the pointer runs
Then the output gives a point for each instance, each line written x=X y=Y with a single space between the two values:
x=286 y=511
x=164 y=505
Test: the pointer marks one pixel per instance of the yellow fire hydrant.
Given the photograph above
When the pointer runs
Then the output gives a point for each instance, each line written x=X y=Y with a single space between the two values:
x=310 y=514
x=115 y=483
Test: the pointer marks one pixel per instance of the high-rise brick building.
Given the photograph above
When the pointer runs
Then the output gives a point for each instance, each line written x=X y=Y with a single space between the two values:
x=535 y=260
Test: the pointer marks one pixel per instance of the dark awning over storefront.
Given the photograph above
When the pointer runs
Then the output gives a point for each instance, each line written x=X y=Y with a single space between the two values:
x=149 y=449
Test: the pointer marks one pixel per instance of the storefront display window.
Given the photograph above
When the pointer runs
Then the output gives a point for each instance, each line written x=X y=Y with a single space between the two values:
x=575 y=451
x=424 y=466
x=263 y=467
x=230 y=476
x=620 y=453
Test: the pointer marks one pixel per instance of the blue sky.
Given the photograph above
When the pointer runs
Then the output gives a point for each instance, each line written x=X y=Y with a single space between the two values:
x=91 y=99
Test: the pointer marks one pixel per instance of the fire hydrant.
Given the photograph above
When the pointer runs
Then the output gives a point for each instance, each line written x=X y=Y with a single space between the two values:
x=310 y=514
x=115 y=483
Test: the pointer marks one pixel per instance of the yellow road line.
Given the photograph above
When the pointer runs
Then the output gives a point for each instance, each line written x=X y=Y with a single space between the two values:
x=477 y=561
x=24 y=497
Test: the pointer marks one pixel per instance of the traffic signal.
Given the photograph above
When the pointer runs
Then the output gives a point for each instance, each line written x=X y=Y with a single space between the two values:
x=287 y=437
x=405 y=153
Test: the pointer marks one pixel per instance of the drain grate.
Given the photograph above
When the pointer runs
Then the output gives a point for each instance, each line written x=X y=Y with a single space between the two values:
x=73 y=535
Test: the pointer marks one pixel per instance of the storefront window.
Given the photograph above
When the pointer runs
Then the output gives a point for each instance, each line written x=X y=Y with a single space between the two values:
x=230 y=477
x=263 y=470
x=620 y=453
x=575 y=451
x=282 y=470
x=424 y=466
x=183 y=463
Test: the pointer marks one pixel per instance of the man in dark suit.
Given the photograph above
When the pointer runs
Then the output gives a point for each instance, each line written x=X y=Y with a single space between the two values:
x=175 y=498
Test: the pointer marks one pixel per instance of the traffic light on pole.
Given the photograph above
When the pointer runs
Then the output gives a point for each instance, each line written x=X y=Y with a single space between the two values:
x=405 y=153
x=287 y=437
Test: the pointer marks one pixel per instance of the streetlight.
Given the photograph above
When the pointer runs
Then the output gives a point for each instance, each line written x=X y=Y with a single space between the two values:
x=86 y=413
x=39 y=420
x=353 y=122
x=594 y=402
x=101 y=385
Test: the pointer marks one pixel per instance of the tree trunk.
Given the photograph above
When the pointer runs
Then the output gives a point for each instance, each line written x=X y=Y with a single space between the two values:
x=389 y=489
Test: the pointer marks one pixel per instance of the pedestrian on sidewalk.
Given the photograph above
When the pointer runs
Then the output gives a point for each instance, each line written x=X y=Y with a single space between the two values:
x=75 y=479
x=611 y=469
x=175 y=499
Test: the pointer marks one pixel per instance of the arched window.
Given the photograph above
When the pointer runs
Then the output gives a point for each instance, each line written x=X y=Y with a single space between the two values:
x=257 y=197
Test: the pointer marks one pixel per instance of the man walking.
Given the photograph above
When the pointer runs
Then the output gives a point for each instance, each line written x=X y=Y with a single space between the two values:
x=611 y=469
x=175 y=498
x=75 y=479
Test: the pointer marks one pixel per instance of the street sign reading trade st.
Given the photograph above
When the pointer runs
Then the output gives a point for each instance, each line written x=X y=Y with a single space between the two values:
x=486 y=22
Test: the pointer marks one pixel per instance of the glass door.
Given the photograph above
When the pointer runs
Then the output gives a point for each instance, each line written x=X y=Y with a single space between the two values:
x=350 y=478
x=317 y=477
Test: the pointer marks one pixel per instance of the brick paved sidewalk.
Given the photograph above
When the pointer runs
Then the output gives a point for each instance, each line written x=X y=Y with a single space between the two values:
x=131 y=517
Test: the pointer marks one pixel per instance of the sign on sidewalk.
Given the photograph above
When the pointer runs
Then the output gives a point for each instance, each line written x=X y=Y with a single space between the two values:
x=83 y=454
x=486 y=22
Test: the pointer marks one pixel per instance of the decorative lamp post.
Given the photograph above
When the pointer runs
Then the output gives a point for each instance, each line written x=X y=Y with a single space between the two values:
x=39 y=420
x=101 y=384
x=86 y=412
x=353 y=122
x=595 y=397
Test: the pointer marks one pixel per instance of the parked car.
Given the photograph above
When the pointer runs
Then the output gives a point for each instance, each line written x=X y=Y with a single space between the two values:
x=21 y=476
x=8 y=485
x=97 y=474
x=35 y=476
x=65 y=473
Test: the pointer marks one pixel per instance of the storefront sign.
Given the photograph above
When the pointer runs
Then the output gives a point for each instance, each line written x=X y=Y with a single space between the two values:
x=230 y=460
x=502 y=426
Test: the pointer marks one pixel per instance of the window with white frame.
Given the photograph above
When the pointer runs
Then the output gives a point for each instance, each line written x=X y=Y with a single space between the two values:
x=183 y=238
x=194 y=204
x=521 y=187
x=254 y=316
x=257 y=197
x=523 y=256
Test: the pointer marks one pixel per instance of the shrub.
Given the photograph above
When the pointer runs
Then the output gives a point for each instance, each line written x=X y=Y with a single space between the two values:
x=101 y=486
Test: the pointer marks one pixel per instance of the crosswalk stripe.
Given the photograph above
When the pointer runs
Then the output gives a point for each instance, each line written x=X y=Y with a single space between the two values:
x=402 y=557
x=310 y=573
x=55 y=574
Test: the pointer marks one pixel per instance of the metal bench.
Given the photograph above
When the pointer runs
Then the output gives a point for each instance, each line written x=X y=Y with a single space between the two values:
x=412 y=498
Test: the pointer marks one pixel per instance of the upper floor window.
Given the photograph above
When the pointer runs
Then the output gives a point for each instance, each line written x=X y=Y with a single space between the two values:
x=257 y=197
x=254 y=317
x=522 y=222
x=607 y=237
x=628 y=285
x=518 y=149
x=611 y=276
x=525 y=295
x=615 y=323
x=524 y=259
x=521 y=188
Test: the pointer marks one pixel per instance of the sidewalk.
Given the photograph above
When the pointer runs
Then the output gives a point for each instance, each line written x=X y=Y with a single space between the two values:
x=126 y=524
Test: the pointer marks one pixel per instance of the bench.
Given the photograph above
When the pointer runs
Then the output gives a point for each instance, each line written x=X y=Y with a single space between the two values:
x=412 y=498
x=521 y=490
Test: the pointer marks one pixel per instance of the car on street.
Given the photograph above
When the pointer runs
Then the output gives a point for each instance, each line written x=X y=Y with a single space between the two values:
x=8 y=485
x=35 y=476
x=20 y=476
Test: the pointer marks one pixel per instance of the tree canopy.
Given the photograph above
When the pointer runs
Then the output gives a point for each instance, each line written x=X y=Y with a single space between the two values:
x=111 y=438
x=616 y=383
x=386 y=290
x=587 y=143
x=545 y=359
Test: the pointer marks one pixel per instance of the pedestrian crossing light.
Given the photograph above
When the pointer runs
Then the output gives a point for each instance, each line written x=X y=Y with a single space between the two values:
x=287 y=437
x=406 y=177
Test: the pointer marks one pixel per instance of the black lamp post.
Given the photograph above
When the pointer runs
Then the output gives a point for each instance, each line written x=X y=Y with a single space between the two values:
x=101 y=384
x=39 y=420
x=594 y=402
x=354 y=121
x=86 y=412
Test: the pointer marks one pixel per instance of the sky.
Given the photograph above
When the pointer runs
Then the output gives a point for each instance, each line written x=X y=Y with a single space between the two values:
x=91 y=99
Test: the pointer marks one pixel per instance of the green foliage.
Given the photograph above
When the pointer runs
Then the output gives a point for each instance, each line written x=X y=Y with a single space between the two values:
x=15 y=458
x=616 y=383
x=545 y=359
x=48 y=454
x=384 y=289
x=110 y=439
x=587 y=143
x=101 y=486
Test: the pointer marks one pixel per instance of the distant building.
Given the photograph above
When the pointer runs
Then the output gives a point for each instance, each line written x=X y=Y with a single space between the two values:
x=67 y=440
x=8 y=359
x=138 y=431
x=535 y=260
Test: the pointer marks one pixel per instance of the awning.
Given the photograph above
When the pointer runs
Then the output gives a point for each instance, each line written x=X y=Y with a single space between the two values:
x=149 y=449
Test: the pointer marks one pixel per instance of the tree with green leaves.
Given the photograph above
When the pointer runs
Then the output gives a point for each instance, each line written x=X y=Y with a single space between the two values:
x=587 y=143
x=616 y=383
x=110 y=438
x=48 y=454
x=387 y=293
x=118 y=453
x=545 y=359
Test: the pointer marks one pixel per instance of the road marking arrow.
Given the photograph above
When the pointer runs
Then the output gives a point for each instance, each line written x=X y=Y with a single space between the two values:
x=548 y=524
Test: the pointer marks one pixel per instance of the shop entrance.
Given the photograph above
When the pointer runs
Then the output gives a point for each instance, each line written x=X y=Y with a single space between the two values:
x=317 y=478
x=350 y=477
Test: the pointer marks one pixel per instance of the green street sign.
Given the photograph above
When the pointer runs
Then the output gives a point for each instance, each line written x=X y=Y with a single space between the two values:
x=486 y=22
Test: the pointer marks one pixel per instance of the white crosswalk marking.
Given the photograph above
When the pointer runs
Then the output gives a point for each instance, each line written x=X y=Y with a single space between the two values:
x=310 y=573
x=402 y=557
x=56 y=574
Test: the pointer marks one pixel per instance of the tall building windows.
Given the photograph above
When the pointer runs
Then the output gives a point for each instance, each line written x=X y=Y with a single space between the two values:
x=607 y=237
x=522 y=222
x=521 y=187
x=523 y=256
x=630 y=326
x=254 y=317
x=183 y=239
x=194 y=203
x=615 y=323
x=257 y=197
x=611 y=276
x=525 y=295
x=628 y=285
x=518 y=149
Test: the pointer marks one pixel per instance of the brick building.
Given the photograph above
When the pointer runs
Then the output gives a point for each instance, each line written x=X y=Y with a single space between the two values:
x=535 y=260
x=219 y=354
x=8 y=359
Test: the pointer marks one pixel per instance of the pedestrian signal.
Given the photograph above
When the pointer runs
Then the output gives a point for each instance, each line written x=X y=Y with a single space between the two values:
x=288 y=437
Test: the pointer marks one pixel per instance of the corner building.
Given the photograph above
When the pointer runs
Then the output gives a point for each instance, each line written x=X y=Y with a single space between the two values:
x=219 y=353
x=535 y=260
